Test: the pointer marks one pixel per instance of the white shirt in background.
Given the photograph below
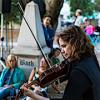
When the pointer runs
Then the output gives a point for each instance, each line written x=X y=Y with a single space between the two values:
x=79 y=20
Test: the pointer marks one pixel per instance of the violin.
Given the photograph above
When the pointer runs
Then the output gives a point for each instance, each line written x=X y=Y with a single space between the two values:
x=48 y=76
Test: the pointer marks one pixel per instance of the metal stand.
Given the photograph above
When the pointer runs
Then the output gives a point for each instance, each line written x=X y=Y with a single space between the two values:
x=2 y=38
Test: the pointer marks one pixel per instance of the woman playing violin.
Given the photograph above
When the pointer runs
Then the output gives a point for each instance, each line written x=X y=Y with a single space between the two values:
x=84 y=72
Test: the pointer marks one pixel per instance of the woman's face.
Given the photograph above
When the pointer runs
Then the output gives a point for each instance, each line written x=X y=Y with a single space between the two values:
x=11 y=62
x=77 y=14
x=66 y=49
x=57 y=53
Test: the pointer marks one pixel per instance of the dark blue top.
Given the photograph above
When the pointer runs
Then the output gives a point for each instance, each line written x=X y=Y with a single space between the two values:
x=49 y=36
x=83 y=81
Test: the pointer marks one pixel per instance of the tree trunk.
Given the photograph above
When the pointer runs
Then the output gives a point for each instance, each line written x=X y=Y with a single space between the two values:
x=51 y=7
x=24 y=2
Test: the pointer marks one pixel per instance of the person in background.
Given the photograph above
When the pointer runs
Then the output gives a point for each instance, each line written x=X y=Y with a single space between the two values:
x=82 y=68
x=53 y=56
x=55 y=61
x=12 y=77
x=48 y=30
x=79 y=18
x=98 y=26
x=43 y=66
x=34 y=75
x=90 y=28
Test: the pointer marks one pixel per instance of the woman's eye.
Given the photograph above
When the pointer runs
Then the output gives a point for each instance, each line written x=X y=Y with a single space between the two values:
x=63 y=46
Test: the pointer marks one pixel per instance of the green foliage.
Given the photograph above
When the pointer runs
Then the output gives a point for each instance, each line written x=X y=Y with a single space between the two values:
x=86 y=6
x=15 y=15
x=97 y=5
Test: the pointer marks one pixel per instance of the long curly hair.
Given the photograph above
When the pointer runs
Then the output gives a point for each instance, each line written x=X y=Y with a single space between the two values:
x=79 y=42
